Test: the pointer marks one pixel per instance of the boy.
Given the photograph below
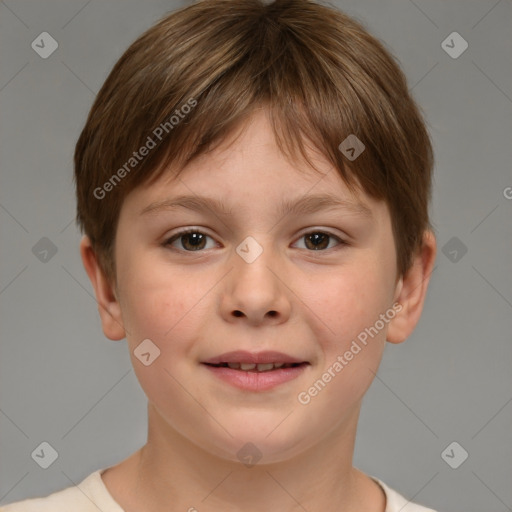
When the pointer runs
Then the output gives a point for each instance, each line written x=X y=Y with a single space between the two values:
x=253 y=182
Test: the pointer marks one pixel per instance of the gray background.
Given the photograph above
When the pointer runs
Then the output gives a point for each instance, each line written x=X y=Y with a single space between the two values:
x=64 y=383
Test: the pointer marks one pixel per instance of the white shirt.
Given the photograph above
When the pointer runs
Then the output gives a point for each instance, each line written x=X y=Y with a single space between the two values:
x=92 y=495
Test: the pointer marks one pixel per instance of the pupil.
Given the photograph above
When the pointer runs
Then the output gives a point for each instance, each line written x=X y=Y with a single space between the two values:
x=318 y=239
x=196 y=239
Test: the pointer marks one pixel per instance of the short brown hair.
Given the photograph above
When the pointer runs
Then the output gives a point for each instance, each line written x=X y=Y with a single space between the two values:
x=320 y=73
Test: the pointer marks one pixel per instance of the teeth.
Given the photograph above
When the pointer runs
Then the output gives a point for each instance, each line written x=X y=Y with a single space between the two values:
x=261 y=367
x=264 y=367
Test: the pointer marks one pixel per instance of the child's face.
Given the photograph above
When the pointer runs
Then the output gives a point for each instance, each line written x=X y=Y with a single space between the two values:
x=308 y=304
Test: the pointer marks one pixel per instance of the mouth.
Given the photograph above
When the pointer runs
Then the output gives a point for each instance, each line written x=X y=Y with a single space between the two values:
x=253 y=367
x=255 y=371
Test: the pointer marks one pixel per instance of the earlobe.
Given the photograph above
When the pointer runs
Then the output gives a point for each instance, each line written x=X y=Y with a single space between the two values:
x=108 y=304
x=412 y=290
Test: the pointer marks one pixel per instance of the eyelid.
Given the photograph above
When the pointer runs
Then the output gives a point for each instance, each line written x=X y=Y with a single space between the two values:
x=171 y=239
x=341 y=241
x=185 y=231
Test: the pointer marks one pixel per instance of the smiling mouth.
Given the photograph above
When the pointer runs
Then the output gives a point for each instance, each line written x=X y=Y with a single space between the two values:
x=256 y=368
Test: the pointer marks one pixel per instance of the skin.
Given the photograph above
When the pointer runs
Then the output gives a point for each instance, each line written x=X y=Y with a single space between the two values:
x=186 y=303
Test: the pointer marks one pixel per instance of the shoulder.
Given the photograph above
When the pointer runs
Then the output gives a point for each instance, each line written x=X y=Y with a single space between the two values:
x=397 y=503
x=90 y=495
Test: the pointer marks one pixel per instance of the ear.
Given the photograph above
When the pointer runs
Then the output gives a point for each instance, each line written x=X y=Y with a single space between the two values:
x=108 y=305
x=411 y=291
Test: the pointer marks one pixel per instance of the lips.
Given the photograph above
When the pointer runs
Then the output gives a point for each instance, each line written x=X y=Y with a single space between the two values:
x=261 y=367
x=251 y=361
x=255 y=372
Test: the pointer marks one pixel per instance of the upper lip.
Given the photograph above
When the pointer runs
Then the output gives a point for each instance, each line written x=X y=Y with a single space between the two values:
x=242 y=356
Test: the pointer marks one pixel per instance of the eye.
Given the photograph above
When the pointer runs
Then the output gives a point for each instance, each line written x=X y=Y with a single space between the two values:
x=194 y=240
x=319 y=240
x=191 y=240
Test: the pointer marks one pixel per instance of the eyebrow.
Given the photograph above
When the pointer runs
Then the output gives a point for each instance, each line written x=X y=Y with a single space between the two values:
x=304 y=205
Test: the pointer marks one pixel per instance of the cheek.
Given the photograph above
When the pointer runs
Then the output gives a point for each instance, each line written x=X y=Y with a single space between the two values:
x=346 y=308
x=168 y=308
x=156 y=311
x=344 y=303
x=155 y=296
x=151 y=312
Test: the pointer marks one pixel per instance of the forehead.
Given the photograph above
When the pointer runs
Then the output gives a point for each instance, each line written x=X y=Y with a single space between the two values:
x=248 y=171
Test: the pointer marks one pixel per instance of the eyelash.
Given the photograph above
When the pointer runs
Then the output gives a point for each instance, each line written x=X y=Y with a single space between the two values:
x=176 y=236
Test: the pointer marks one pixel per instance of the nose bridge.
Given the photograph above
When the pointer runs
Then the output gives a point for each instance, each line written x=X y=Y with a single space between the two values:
x=255 y=288
x=253 y=259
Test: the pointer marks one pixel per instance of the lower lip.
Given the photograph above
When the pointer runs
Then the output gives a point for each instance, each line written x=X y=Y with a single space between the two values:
x=256 y=381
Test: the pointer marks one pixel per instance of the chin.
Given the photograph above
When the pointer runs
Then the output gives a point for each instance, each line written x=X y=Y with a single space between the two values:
x=260 y=444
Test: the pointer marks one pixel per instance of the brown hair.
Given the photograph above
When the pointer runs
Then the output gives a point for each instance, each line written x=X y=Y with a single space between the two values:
x=322 y=76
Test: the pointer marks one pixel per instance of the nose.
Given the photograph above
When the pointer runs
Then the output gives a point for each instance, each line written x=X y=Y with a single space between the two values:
x=255 y=291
